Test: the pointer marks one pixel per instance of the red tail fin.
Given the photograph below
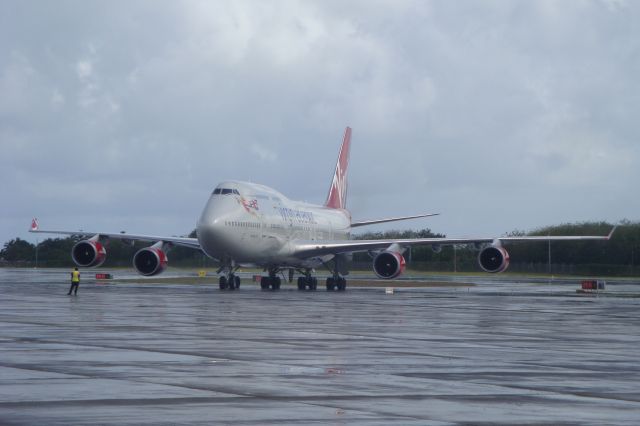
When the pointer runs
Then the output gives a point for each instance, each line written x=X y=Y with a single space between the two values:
x=337 y=198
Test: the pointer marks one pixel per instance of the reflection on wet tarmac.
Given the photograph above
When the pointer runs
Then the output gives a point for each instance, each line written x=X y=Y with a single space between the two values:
x=501 y=353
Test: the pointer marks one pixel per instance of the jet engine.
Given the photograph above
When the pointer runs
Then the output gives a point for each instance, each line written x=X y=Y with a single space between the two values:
x=388 y=264
x=151 y=260
x=89 y=253
x=493 y=259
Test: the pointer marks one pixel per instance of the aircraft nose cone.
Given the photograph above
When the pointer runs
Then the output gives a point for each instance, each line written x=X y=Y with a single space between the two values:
x=210 y=228
x=210 y=236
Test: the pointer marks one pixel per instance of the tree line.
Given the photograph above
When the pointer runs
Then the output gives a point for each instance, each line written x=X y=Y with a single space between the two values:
x=619 y=256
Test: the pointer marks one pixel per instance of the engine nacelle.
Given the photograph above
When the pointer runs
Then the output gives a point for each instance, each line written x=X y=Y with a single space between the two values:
x=388 y=264
x=150 y=260
x=89 y=253
x=493 y=259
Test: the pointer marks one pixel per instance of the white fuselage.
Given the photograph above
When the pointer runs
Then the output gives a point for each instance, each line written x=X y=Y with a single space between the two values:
x=254 y=224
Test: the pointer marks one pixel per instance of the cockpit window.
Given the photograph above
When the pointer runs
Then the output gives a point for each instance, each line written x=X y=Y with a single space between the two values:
x=225 y=191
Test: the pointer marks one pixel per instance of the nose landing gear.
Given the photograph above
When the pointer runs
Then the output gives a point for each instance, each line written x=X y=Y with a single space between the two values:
x=229 y=281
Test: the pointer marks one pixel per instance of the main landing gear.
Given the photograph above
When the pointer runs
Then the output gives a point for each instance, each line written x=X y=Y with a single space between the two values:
x=335 y=282
x=272 y=281
x=230 y=281
x=307 y=282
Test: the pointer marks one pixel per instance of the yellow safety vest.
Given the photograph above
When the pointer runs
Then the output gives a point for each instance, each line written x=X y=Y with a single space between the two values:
x=75 y=276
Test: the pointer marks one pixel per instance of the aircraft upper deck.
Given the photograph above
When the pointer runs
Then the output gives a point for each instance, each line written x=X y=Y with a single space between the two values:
x=247 y=189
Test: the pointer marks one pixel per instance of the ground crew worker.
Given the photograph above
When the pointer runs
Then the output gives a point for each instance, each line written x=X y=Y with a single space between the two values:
x=75 y=281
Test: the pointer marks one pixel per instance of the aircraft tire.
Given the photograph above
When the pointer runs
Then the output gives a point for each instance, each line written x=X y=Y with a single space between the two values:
x=330 y=284
x=264 y=283
x=300 y=283
x=342 y=284
x=223 y=283
x=237 y=281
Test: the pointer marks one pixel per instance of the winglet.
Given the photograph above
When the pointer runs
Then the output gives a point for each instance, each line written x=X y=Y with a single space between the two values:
x=611 y=233
x=34 y=225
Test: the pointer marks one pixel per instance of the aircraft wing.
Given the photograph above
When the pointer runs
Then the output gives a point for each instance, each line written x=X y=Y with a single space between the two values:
x=390 y=219
x=305 y=249
x=179 y=241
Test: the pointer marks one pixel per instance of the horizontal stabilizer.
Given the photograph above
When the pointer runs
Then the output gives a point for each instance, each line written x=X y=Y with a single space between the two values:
x=390 y=219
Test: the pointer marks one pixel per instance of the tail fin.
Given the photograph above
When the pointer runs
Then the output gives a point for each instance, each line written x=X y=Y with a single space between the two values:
x=337 y=198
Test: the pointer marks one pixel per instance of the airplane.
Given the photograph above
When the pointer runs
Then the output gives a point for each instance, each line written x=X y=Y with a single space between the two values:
x=248 y=224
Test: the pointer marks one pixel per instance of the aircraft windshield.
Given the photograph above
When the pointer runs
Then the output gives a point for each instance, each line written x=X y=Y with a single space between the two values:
x=225 y=191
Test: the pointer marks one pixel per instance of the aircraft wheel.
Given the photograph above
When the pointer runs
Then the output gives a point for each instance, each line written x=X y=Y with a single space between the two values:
x=306 y=283
x=342 y=284
x=275 y=284
x=237 y=281
x=300 y=283
x=314 y=283
x=223 y=283
x=330 y=284
x=264 y=283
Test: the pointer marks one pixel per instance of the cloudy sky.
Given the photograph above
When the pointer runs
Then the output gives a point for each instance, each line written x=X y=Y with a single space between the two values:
x=499 y=115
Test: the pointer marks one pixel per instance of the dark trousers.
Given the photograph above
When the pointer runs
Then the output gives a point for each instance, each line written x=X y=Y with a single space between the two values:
x=74 y=288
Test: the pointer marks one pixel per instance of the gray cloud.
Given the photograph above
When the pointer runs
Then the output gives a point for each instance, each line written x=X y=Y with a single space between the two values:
x=499 y=114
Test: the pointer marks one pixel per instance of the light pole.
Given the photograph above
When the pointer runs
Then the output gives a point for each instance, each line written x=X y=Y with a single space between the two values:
x=455 y=258
x=549 y=242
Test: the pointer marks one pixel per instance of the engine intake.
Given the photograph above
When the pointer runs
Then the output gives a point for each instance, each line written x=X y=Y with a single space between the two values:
x=388 y=264
x=493 y=259
x=88 y=253
x=150 y=260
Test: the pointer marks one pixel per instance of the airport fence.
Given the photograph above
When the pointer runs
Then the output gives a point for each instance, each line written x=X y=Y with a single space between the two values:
x=521 y=267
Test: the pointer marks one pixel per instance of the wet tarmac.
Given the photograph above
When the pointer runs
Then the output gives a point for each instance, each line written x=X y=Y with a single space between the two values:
x=498 y=353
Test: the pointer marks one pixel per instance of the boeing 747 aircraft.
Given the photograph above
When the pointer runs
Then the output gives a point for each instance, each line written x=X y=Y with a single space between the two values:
x=247 y=224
